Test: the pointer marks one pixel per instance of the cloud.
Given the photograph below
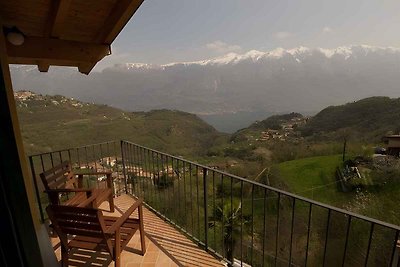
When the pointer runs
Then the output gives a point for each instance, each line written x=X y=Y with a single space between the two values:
x=223 y=47
x=327 y=29
x=282 y=35
x=116 y=57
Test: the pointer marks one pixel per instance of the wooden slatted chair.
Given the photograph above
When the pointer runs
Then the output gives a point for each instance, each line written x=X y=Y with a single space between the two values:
x=62 y=179
x=91 y=230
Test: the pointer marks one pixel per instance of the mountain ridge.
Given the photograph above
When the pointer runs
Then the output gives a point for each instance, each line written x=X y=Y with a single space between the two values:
x=303 y=80
x=255 y=55
x=367 y=119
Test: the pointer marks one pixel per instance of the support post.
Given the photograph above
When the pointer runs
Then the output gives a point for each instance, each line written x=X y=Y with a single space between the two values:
x=123 y=166
x=205 y=208
x=15 y=183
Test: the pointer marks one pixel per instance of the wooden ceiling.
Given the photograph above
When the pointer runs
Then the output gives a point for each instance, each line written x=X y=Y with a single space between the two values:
x=65 y=32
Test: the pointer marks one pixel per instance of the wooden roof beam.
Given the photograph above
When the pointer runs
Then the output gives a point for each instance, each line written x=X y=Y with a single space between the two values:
x=86 y=68
x=56 y=18
x=43 y=66
x=117 y=19
x=47 y=51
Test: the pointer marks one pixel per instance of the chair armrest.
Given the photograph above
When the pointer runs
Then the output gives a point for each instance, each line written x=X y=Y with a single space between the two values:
x=115 y=226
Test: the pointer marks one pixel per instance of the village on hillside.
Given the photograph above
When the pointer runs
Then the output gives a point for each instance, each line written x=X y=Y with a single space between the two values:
x=287 y=132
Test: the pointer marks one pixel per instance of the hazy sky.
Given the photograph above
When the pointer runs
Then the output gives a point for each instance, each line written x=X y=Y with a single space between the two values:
x=185 y=30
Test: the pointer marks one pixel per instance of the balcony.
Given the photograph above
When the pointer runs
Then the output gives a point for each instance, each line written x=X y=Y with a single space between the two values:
x=199 y=216
x=165 y=246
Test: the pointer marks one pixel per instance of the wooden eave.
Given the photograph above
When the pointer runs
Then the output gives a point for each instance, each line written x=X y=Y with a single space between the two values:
x=65 y=32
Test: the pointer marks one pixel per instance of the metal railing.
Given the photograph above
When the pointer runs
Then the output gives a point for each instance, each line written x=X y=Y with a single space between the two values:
x=242 y=221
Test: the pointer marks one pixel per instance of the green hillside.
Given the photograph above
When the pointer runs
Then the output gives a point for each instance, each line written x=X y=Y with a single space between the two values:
x=56 y=122
x=291 y=136
x=367 y=119
x=314 y=178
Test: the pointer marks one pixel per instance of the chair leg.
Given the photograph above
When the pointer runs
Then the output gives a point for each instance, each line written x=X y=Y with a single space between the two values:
x=110 y=186
x=117 y=249
x=141 y=230
x=64 y=257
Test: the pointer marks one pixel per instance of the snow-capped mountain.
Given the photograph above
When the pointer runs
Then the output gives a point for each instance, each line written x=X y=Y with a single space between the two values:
x=281 y=80
x=299 y=53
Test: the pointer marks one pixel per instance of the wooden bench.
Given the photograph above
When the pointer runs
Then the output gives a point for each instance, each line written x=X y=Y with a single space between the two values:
x=62 y=179
x=91 y=230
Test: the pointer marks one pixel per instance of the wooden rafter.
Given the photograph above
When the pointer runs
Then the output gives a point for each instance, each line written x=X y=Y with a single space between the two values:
x=56 y=19
x=74 y=33
x=43 y=66
x=47 y=51
x=117 y=19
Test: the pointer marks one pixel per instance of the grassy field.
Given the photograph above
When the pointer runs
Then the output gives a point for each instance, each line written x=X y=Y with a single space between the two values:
x=314 y=178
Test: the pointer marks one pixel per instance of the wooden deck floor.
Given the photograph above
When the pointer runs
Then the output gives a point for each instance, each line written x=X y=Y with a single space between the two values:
x=166 y=246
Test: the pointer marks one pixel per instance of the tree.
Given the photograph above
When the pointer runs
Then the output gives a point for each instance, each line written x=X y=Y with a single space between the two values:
x=230 y=218
x=163 y=181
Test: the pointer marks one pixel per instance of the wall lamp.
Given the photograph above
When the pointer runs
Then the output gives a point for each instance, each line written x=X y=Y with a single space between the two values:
x=14 y=35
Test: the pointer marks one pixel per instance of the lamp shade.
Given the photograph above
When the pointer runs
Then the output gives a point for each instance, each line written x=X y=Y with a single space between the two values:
x=16 y=38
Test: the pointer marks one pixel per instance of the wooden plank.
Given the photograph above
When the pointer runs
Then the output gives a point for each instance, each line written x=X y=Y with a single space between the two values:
x=84 y=232
x=79 y=225
x=57 y=210
x=88 y=239
x=76 y=200
x=88 y=16
x=115 y=22
x=57 y=184
x=64 y=216
x=30 y=17
x=56 y=19
x=63 y=166
x=87 y=245
x=102 y=194
x=109 y=220
x=56 y=176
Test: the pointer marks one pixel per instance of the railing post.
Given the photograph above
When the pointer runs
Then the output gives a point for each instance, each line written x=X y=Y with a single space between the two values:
x=123 y=166
x=36 y=189
x=395 y=259
x=205 y=208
